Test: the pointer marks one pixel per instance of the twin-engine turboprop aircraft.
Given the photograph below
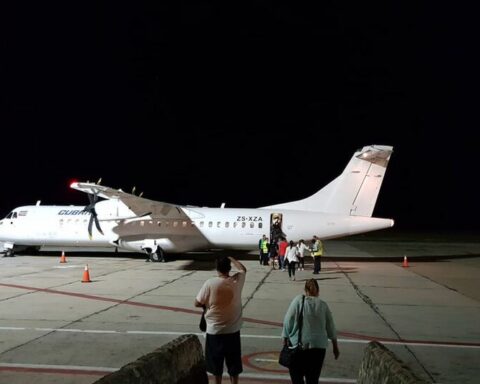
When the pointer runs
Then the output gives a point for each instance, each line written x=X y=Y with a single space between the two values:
x=126 y=222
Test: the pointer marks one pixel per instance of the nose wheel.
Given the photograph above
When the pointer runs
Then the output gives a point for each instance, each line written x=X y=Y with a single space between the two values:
x=9 y=253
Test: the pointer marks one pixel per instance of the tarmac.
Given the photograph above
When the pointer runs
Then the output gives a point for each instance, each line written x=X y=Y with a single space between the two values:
x=56 y=329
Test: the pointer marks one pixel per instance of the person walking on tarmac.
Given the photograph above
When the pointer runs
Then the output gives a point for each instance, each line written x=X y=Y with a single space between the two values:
x=291 y=258
x=317 y=252
x=263 y=247
x=282 y=247
x=301 y=254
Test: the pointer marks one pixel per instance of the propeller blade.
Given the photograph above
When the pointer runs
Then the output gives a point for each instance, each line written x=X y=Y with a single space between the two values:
x=97 y=224
x=90 y=224
x=99 y=181
x=90 y=208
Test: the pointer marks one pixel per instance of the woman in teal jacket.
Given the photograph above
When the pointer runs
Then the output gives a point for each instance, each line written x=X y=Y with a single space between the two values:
x=318 y=327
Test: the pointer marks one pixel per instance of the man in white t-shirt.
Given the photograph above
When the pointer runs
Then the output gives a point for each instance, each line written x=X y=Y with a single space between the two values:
x=222 y=296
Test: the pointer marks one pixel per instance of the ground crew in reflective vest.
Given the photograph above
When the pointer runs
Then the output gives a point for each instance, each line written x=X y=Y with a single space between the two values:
x=263 y=246
x=317 y=252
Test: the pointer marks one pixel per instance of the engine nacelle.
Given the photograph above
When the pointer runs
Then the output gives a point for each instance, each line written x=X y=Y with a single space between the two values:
x=146 y=245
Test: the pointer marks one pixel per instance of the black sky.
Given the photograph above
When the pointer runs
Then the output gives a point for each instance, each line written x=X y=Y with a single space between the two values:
x=200 y=103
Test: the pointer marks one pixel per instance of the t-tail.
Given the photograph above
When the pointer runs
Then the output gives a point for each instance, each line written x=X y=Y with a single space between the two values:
x=355 y=191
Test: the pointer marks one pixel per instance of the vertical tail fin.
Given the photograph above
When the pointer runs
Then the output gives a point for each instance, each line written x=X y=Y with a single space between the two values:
x=355 y=191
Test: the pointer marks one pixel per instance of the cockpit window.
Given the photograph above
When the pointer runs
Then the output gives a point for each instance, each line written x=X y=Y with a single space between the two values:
x=9 y=215
x=14 y=216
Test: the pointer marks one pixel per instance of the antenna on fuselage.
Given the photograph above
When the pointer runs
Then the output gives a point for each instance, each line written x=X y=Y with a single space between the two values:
x=38 y=202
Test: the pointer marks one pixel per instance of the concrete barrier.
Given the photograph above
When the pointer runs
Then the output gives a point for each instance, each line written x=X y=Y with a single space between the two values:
x=379 y=365
x=180 y=361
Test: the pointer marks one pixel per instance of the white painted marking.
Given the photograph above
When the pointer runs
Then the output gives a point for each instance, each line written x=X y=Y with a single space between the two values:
x=246 y=375
x=59 y=367
x=161 y=333
x=262 y=336
x=286 y=377
x=68 y=266
x=199 y=334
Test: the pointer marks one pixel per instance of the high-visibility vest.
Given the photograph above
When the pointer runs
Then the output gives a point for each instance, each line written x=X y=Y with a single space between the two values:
x=264 y=246
x=317 y=249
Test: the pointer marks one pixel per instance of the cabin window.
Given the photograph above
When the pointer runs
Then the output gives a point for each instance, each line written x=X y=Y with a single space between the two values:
x=252 y=225
x=184 y=224
x=166 y=223
x=150 y=222
x=235 y=224
x=201 y=224
x=260 y=225
x=142 y=223
x=210 y=224
x=175 y=223
x=227 y=224
x=244 y=224
x=218 y=224
x=193 y=223
x=159 y=223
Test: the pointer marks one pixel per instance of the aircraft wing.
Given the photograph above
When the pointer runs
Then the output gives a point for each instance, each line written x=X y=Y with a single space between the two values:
x=138 y=205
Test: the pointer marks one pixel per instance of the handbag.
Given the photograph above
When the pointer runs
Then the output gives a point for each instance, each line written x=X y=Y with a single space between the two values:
x=288 y=352
x=203 y=322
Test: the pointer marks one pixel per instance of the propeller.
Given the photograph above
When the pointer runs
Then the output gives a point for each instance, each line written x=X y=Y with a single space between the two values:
x=90 y=208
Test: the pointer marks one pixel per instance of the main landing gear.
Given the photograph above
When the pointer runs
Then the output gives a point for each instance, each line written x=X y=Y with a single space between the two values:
x=157 y=256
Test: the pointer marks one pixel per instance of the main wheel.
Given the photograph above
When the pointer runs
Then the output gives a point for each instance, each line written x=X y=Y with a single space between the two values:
x=159 y=255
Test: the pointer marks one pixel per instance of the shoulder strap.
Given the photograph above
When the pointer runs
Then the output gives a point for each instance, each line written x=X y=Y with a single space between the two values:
x=300 y=321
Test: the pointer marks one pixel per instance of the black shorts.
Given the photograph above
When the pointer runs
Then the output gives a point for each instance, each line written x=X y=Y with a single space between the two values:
x=223 y=347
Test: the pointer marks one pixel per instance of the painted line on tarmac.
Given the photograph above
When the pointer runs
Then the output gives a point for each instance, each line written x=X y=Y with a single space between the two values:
x=58 y=369
x=254 y=361
x=245 y=319
x=275 y=378
x=243 y=336
x=101 y=371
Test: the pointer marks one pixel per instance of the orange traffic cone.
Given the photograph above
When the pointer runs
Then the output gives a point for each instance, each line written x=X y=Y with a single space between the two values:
x=405 y=262
x=62 y=258
x=86 y=275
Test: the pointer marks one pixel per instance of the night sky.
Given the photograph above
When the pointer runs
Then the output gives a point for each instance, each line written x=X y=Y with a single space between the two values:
x=202 y=103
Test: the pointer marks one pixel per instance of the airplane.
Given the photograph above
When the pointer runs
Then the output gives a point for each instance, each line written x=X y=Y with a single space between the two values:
x=125 y=222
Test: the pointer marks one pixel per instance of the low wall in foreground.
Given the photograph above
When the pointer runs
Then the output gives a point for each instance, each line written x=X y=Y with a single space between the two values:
x=180 y=361
x=379 y=365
